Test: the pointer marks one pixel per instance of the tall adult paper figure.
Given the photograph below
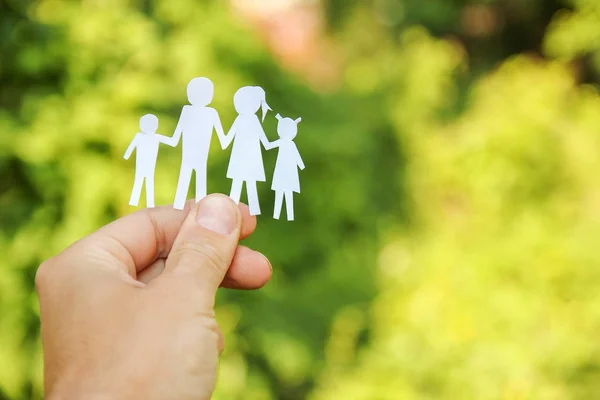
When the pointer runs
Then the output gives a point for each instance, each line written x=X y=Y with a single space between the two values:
x=146 y=145
x=246 y=163
x=285 y=178
x=196 y=124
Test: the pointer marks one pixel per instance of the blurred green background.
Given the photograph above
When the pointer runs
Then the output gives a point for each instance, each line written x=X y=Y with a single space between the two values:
x=447 y=236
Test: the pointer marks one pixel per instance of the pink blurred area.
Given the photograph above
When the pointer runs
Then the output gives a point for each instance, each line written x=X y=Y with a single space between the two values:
x=294 y=32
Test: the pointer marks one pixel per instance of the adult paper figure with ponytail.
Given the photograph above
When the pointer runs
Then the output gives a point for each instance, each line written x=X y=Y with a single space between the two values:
x=247 y=134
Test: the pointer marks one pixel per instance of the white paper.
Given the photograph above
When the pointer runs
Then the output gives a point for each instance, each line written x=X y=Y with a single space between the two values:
x=146 y=144
x=247 y=134
x=195 y=125
x=194 y=130
x=286 y=180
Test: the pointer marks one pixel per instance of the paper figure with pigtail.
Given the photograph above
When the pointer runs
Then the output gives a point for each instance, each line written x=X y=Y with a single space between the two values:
x=247 y=134
x=194 y=129
x=146 y=145
x=285 y=178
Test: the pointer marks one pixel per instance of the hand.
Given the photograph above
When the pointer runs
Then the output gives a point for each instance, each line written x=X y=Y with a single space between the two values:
x=128 y=312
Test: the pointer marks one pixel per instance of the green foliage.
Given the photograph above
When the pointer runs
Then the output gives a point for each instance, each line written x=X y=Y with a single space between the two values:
x=444 y=242
x=490 y=295
x=576 y=33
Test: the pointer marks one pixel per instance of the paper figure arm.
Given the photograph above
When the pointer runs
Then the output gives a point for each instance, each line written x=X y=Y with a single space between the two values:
x=228 y=138
x=263 y=139
x=299 y=161
x=131 y=147
x=174 y=140
x=166 y=140
x=219 y=128
x=271 y=145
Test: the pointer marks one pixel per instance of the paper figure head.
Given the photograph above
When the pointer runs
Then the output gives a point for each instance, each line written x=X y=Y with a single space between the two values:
x=249 y=99
x=149 y=123
x=287 y=128
x=200 y=91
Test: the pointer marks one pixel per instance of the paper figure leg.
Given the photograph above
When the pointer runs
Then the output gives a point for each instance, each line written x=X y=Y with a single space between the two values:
x=278 y=204
x=289 y=205
x=252 y=198
x=137 y=191
x=236 y=190
x=150 y=191
x=185 y=175
x=200 y=183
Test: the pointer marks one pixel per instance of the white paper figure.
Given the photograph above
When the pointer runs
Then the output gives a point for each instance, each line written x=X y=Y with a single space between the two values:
x=146 y=145
x=196 y=124
x=246 y=163
x=285 y=178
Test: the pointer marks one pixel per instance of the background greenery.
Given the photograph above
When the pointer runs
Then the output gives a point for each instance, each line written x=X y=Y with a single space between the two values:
x=446 y=242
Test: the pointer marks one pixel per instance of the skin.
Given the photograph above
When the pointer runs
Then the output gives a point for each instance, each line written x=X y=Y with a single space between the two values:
x=128 y=311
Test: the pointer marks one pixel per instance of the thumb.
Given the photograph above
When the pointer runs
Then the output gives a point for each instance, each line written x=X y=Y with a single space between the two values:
x=205 y=245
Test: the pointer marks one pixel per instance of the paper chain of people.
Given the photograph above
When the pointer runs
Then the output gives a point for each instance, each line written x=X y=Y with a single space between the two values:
x=196 y=125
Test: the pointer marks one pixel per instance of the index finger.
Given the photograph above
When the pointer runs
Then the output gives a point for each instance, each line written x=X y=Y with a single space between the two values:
x=140 y=238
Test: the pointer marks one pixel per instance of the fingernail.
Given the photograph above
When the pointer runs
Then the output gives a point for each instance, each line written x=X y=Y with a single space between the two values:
x=268 y=262
x=217 y=213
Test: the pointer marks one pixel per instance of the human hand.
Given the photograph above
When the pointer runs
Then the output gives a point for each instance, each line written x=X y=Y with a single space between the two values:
x=128 y=311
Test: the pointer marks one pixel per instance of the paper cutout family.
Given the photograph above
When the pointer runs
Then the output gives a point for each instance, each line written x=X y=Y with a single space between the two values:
x=195 y=128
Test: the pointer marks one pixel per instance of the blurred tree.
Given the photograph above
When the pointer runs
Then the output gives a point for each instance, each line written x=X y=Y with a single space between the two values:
x=78 y=76
x=473 y=190
x=574 y=36
x=490 y=293
x=489 y=30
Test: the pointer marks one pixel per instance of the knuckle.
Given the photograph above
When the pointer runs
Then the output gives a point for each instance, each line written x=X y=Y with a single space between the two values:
x=159 y=231
x=43 y=273
x=220 y=337
x=207 y=255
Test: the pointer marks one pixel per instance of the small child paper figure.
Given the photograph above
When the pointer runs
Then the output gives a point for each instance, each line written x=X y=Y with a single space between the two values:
x=247 y=134
x=285 y=178
x=146 y=144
